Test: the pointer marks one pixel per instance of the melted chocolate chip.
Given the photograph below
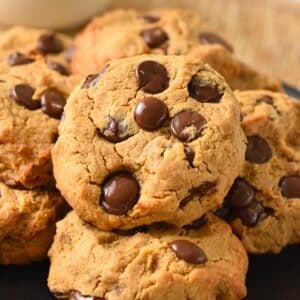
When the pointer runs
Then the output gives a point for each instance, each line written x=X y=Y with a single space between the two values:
x=120 y=192
x=22 y=94
x=258 y=151
x=204 y=189
x=250 y=215
x=190 y=155
x=197 y=223
x=151 y=113
x=49 y=43
x=154 y=37
x=265 y=99
x=223 y=212
x=16 y=58
x=114 y=132
x=290 y=186
x=90 y=81
x=59 y=68
x=187 y=125
x=131 y=231
x=152 y=77
x=188 y=251
x=53 y=103
x=212 y=38
x=241 y=193
x=151 y=18
x=74 y=295
x=204 y=91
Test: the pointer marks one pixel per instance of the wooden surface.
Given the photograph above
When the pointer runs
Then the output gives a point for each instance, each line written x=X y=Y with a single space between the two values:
x=265 y=33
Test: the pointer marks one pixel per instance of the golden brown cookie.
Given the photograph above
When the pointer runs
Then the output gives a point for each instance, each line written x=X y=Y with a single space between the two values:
x=157 y=262
x=32 y=98
x=21 y=45
x=125 y=33
x=152 y=138
x=27 y=223
x=236 y=73
x=263 y=204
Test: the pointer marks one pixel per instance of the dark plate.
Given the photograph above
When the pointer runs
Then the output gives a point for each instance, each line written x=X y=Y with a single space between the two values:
x=275 y=277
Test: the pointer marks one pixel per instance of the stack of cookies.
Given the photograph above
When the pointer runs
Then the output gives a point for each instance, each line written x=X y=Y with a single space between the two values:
x=34 y=86
x=172 y=177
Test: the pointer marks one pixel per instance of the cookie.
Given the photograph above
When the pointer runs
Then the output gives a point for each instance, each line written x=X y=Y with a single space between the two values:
x=32 y=97
x=27 y=223
x=263 y=204
x=237 y=74
x=203 y=261
x=21 y=45
x=125 y=33
x=150 y=139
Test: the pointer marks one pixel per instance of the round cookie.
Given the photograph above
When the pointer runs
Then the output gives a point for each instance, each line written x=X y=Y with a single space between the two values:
x=27 y=223
x=263 y=204
x=21 y=45
x=32 y=97
x=204 y=261
x=150 y=139
x=126 y=33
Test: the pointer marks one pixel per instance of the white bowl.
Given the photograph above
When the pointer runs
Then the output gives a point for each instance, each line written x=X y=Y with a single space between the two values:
x=52 y=14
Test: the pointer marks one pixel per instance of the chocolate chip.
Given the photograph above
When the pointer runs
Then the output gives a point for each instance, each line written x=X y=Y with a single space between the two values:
x=241 y=193
x=251 y=214
x=187 y=125
x=188 y=251
x=151 y=18
x=212 y=38
x=131 y=231
x=16 y=185
x=74 y=295
x=265 y=99
x=151 y=113
x=204 y=189
x=154 y=37
x=204 y=91
x=16 y=58
x=197 y=223
x=258 y=151
x=114 y=132
x=190 y=155
x=223 y=212
x=290 y=186
x=120 y=192
x=22 y=94
x=152 y=77
x=53 y=103
x=90 y=81
x=49 y=43
x=59 y=68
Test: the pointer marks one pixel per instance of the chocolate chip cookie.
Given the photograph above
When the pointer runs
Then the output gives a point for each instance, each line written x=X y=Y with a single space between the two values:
x=263 y=205
x=237 y=74
x=32 y=98
x=149 y=139
x=21 y=45
x=204 y=261
x=27 y=223
x=125 y=33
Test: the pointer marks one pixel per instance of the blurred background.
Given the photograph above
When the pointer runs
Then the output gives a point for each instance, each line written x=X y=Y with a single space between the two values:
x=265 y=33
